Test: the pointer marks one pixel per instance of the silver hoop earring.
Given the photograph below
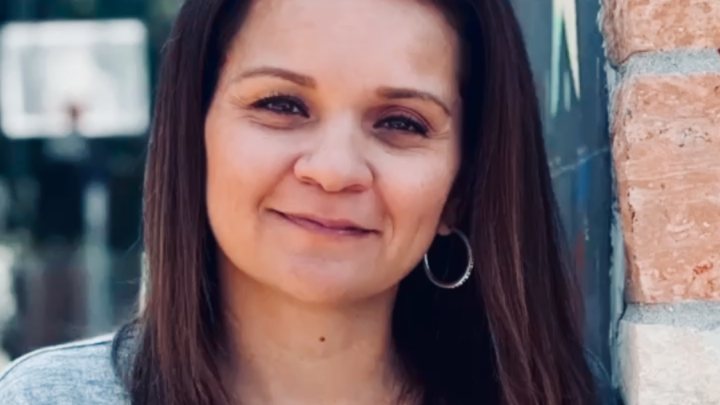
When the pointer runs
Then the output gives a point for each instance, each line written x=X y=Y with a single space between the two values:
x=465 y=276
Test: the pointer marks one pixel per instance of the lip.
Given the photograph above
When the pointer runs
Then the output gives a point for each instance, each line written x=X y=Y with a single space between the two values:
x=328 y=226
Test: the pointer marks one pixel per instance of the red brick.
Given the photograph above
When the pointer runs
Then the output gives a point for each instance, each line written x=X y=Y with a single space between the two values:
x=666 y=148
x=633 y=26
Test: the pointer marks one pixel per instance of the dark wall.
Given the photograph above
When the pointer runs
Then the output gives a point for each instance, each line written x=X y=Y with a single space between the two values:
x=571 y=85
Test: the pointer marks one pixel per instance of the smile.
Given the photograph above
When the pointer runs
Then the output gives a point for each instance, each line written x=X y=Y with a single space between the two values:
x=325 y=226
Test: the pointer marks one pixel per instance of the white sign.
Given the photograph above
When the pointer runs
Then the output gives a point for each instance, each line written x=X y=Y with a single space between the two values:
x=98 y=67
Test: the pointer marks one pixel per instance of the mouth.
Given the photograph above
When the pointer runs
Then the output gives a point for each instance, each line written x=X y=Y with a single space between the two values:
x=326 y=226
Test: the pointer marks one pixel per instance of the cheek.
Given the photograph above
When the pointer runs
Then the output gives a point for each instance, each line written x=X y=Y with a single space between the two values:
x=243 y=165
x=415 y=194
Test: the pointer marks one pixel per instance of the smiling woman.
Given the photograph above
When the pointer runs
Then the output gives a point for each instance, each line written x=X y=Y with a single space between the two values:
x=346 y=202
x=342 y=163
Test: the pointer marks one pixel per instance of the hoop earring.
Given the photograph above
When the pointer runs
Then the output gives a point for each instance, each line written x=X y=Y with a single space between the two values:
x=465 y=276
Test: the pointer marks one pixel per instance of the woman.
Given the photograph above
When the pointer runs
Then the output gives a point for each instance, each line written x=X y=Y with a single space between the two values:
x=346 y=202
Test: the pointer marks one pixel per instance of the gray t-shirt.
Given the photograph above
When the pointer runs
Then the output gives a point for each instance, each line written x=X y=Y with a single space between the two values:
x=73 y=374
x=82 y=374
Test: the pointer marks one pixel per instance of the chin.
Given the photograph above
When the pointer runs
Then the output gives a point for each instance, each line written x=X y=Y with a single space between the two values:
x=328 y=284
x=310 y=287
x=311 y=279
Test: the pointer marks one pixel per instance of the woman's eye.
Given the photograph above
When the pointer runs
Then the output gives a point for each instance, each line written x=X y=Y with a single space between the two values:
x=284 y=105
x=403 y=124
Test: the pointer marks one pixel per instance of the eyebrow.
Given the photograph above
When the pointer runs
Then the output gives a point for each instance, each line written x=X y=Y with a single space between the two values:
x=392 y=93
x=388 y=93
x=297 y=78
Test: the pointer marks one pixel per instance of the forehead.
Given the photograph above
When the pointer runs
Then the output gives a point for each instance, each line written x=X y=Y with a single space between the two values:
x=400 y=40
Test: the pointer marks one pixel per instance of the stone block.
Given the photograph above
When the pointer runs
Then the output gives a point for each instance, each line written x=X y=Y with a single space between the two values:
x=633 y=26
x=666 y=150
x=669 y=354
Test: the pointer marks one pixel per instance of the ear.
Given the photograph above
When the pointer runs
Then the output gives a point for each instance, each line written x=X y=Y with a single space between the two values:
x=448 y=218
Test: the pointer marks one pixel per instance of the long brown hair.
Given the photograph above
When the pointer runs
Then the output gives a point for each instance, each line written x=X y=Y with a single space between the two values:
x=510 y=336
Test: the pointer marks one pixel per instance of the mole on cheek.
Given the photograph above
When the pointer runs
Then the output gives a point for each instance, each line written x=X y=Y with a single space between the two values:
x=322 y=338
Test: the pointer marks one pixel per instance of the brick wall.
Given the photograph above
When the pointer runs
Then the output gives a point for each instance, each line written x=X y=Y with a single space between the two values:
x=664 y=81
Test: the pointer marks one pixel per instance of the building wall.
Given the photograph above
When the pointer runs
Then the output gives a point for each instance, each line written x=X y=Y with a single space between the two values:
x=664 y=81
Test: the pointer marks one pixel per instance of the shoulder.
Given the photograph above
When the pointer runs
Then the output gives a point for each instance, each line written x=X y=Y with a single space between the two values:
x=76 y=373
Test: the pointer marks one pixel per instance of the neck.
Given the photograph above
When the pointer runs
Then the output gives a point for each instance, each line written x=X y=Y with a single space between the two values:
x=290 y=352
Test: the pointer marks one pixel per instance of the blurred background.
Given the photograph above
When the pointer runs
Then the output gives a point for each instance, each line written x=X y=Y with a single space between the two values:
x=76 y=85
x=75 y=99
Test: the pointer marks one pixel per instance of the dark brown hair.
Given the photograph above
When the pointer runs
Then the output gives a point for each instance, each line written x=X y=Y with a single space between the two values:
x=510 y=336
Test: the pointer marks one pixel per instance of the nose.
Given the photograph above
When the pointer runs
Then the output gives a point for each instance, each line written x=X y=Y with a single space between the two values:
x=335 y=162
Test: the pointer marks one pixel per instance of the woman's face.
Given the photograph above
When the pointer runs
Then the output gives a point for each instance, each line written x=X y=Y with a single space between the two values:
x=332 y=144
